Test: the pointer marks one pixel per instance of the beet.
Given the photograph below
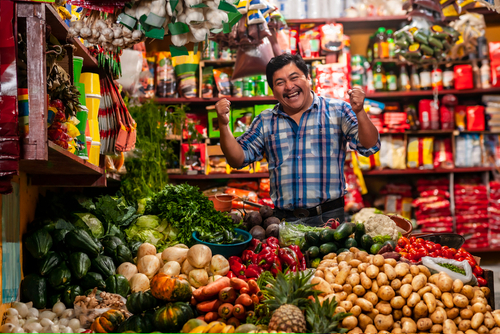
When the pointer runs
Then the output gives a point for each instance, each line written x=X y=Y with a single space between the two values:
x=258 y=232
x=273 y=231
x=270 y=221
x=266 y=212
x=253 y=219
x=236 y=217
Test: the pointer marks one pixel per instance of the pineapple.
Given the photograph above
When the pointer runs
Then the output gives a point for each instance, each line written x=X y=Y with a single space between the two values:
x=288 y=299
x=321 y=318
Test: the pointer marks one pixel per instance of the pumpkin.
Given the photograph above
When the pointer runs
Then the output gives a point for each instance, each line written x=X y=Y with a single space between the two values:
x=139 y=302
x=108 y=322
x=172 y=317
x=171 y=288
x=139 y=323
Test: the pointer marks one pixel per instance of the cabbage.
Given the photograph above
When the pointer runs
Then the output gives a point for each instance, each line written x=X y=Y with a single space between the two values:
x=141 y=205
x=144 y=234
x=89 y=222
x=148 y=221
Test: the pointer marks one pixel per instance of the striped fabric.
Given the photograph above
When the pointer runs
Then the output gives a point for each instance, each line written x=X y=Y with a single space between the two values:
x=306 y=161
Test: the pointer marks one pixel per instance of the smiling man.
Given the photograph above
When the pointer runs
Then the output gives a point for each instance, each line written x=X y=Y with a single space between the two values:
x=304 y=138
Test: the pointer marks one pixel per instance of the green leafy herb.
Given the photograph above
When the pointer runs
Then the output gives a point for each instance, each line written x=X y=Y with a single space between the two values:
x=380 y=239
x=452 y=268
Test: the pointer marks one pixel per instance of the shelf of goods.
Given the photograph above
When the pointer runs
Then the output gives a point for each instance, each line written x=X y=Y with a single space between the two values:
x=45 y=162
x=349 y=23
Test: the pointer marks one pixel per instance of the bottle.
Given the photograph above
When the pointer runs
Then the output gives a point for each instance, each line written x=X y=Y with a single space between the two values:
x=482 y=48
x=485 y=74
x=383 y=46
x=369 y=50
x=476 y=74
x=425 y=78
x=415 y=78
x=448 y=77
x=391 y=44
x=404 y=79
x=379 y=78
x=392 y=79
x=437 y=79
x=357 y=71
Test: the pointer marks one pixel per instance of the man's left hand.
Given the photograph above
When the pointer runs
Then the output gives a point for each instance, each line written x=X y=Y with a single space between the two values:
x=356 y=98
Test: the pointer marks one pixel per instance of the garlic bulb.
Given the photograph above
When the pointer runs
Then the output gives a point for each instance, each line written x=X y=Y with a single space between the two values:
x=180 y=40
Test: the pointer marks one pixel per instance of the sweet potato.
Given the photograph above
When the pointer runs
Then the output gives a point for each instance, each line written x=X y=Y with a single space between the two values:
x=209 y=306
x=238 y=283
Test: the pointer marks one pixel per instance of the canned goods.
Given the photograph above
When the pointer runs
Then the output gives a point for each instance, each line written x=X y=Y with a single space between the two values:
x=248 y=87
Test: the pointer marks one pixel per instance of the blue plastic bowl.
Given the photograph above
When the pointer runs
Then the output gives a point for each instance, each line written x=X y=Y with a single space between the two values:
x=227 y=250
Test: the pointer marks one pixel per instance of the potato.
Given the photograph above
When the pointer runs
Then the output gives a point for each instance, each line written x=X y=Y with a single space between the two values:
x=444 y=283
x=464 y=325
x=329 y=276
x=397 y=314
x=477 y=320
x=478 y=292
x=397 y=324
x=350 y=322
x=406 y=290
x=488 y=321
x=362 y=256
x=383 y=322
x=319 y=273
x=382 y=279
x=486 y=291
x=414 y=270
x=479 y=300
x=362 y=267
x=355 y=330
x=467 y=291
x=406 y=311
x=449 y=327
x=364 y=321
x=354 y=263
x=391 y=262
x=408 y=325
x=370 y=329
x=347 y=288
x=366 y=282
x=435 y=291
x=470 y=331
x=495 y=330
x=430 y=301
x=342 y=276
x=457 y=320
x=457 y=286
x=460 y=301
x=452 y=313
x=402 y=269
x=398 y=302
x=378 y=260
x=418 y=282
x=372 y=271
x=424 y=324
x=373 y=314
x=386 y=293
x=413 y=299
x=467 y=314
x=436 y=328
x=364 y=304
x=352 y=298
x=384 y=308
x=341 y=296
x=337 y=288
x=375 y=286
x=371 y=297
x=321 y=285
x=353 y=279
x=424 y=270
x=439 y=316
x=396 y=284
x=447 y=300
x=483 y=330
x=424 y=290
x=359 y=290
x=347 y=305
x=356 y=310
x=407 y=279
x=420 y=310
x=339 y=310
x=433 y=279
x=478 y=307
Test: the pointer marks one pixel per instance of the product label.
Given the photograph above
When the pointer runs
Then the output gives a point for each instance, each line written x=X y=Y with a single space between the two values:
x=404 y=80
x=378 y=81
x=437 y=79
x=448 y=79
x=425 y=79
x=392 y=82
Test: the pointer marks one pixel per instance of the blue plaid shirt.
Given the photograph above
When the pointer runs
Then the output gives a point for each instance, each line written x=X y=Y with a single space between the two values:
x=306 y=161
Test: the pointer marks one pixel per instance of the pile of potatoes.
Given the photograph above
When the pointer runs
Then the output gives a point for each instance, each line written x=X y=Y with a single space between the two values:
x=384 y=296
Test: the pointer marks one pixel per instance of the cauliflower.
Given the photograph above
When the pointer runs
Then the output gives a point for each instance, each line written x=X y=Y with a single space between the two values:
x=381 y=225
x=364 y=214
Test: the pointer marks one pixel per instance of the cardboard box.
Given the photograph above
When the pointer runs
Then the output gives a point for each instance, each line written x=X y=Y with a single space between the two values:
x=216 y=161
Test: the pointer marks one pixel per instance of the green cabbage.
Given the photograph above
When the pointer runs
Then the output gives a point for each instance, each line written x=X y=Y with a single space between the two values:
x=149 y=221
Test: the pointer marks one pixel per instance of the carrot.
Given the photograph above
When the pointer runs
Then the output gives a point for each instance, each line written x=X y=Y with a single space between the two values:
x=226 y=310
x=238 y=283
x=198 y=294
x=249 y=314
x=193 y=301
x=233 y=322
x=211 y=316
x=254 y=287
x=209 y=306
x=244 y=300
x=245 y=290
x=255 y=299
x=213 y=288
x=260 y=295
x=227 y=295
x=239 y=311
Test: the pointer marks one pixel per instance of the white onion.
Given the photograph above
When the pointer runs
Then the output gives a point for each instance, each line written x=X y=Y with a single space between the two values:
x=7 y=328
x=47 y=314
x=64 y=322
x=22 y=308
x=12 y=320
x=32 y=326
x=58 y=308
x=13 y=312
x=69 y=313
x=18 y=329
x=74 y=324
x=45 y=322
x=32 y=313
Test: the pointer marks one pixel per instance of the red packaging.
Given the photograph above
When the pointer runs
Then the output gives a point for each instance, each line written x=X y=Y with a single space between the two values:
x=447 y=115
x=200 y=123
x=294 y=39
x=463 y=77
x=309 y=41
x=494 y=50
x=495 y=73
x=443 y=154
x=428 y=115
x=475 y=118
x=193 y=158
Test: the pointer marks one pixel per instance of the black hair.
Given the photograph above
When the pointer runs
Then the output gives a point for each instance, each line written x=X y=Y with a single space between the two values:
x=281 y=61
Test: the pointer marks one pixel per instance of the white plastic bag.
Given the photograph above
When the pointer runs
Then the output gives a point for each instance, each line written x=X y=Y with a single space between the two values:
x=433 y=264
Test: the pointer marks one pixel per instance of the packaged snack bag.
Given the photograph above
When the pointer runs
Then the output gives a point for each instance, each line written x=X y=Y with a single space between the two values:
x=207 y=86
x=185 y=69
x=222 y=80
x=420 y=152
x=392 y=152
x=166 y=82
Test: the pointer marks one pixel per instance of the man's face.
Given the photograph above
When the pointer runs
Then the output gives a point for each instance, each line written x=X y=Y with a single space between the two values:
x=292 y=88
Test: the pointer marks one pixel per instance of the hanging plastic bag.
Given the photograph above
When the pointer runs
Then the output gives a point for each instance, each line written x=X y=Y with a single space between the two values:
x=252 y=60
x=433 y=264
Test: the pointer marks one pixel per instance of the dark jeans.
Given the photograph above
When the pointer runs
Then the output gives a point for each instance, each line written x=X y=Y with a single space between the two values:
x=320 y=220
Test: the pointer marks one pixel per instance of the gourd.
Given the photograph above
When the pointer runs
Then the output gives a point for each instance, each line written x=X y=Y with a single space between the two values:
x=139 y=302
x=170 y=288
x=108 y=322
x=172 y=317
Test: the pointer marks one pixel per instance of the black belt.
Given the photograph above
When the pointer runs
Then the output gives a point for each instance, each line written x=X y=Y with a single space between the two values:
x=312 y=212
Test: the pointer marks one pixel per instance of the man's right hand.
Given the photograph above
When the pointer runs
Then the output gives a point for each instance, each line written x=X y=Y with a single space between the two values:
x=223 y=108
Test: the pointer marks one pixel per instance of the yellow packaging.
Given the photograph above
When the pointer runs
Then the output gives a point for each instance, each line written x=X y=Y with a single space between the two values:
x=393 y=152
x=72 y=131
x=420 y=152
x=368 y=163
x=357 y=171
x=185 y=68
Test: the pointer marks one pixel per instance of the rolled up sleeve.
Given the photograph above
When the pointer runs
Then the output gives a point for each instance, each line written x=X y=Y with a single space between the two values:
x=252 y=142
x=350 y=130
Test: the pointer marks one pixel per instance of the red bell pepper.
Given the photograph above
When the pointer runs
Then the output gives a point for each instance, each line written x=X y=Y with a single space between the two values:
x=300 y=256
x=273 y=242
x=247 y=257
x=238 y=268
x=253 y=270
x=254 y=246
x=230 y=274
x=289 y=258
x=234 y=259
x=266 y=258
x=276 y=267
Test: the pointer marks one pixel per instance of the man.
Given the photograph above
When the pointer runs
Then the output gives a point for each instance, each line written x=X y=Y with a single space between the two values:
x=304 y=138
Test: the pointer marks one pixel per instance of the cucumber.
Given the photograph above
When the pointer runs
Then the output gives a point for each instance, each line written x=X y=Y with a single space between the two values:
x=313 y=252
x=375 y=248
x=366 y=241
x=392 y=243
x=327 y=248
x=326 y=235
x=350 y=243
x=344 y=231
x=360 y=231
x=312 y=238
x=342 y=250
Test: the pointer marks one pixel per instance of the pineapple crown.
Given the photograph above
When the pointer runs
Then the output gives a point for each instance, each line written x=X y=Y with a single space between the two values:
x=291 y=289
x=321 y=317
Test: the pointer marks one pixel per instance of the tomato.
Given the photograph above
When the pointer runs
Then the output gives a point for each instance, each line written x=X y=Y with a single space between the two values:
x=471 y=261
x=448 y=254
x=481 y=281
x=412 y=240
x=453 y=251
x=428 y=247
x=408 y=247
x=478 y=271
x=398 y=249
x=437 y=247
x=462 y=250
x=403 y=241
x=459 y=259
x=419 y=241
x=445 y=247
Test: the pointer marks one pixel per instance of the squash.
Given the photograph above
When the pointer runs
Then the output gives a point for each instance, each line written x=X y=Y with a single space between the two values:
x=199 y=256
x=171 y=268
x=79 y=264
x=170 y=288
x=110 y=243
x=172 y=317
x=49 y=262
x=58 y=240
x=139 y=282
x=81 y=241
x=59 y=277
x=103 y=265
x=38 y=243
x=127 y=269
x=92 y=280
x=198 y=278
x=34 y=289
x=148 y=265
x=118 y=284
x=186 y=267
x=192 y=324
x=122 y=254
x=108 y=322
x=69 y=294
x=137 y=324
x=139 y=302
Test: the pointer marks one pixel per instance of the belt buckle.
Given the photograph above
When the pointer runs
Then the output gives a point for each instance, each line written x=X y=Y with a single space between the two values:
x=301 y=213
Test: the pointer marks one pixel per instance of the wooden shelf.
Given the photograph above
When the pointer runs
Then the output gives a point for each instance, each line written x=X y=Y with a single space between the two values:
x=60 y=31
x=197 y=100
x=230 y=62
x=410 y=171
x=422 y=93
x=350 y=23
x=483 y=250
x=403 y=61
x=419 y=132
x=217 y=176
x=63 y=168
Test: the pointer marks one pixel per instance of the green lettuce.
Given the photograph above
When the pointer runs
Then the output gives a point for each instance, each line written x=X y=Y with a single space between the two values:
x=89 y=222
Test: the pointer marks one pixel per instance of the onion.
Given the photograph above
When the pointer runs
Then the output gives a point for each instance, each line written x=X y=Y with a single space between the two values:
x=69 y=313
x=12 y=311
x=7 y=328
x=74 y=324
x=22 y=308
x=45 y=322
x=64 y=322
x=59 y=308
x=32 y=313
x=47 y=314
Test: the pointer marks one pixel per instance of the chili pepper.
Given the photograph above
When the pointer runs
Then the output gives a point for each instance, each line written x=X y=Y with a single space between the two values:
x=273 y=242
x=234 y=259
x=478 y=271
x=300 y=256
x=247 y=257
x=481 y=281
x=266 y=258
x=253 y=270
x=230 y=274
x=253 y=245
x=238 y=268
x=289 y=258
x=276 y=267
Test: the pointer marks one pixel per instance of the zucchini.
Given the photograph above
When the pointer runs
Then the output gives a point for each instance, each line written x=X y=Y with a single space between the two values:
x=34 y=289
x=360 y=231
x=80 y=240
x=118 y=284
x=351 y=242
x=375 y=248
x=366 y=241
x=313 y=252
x=103 y=265
x=344 y=231
x=92 y=280
x=49 y=262
x=59 y=277
x=38 y=243
x=326 y=235
x=123 y=254
x=312 y=238
x=436 y=43
x=69 y=294
x=79 y=264
x=327 y=248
